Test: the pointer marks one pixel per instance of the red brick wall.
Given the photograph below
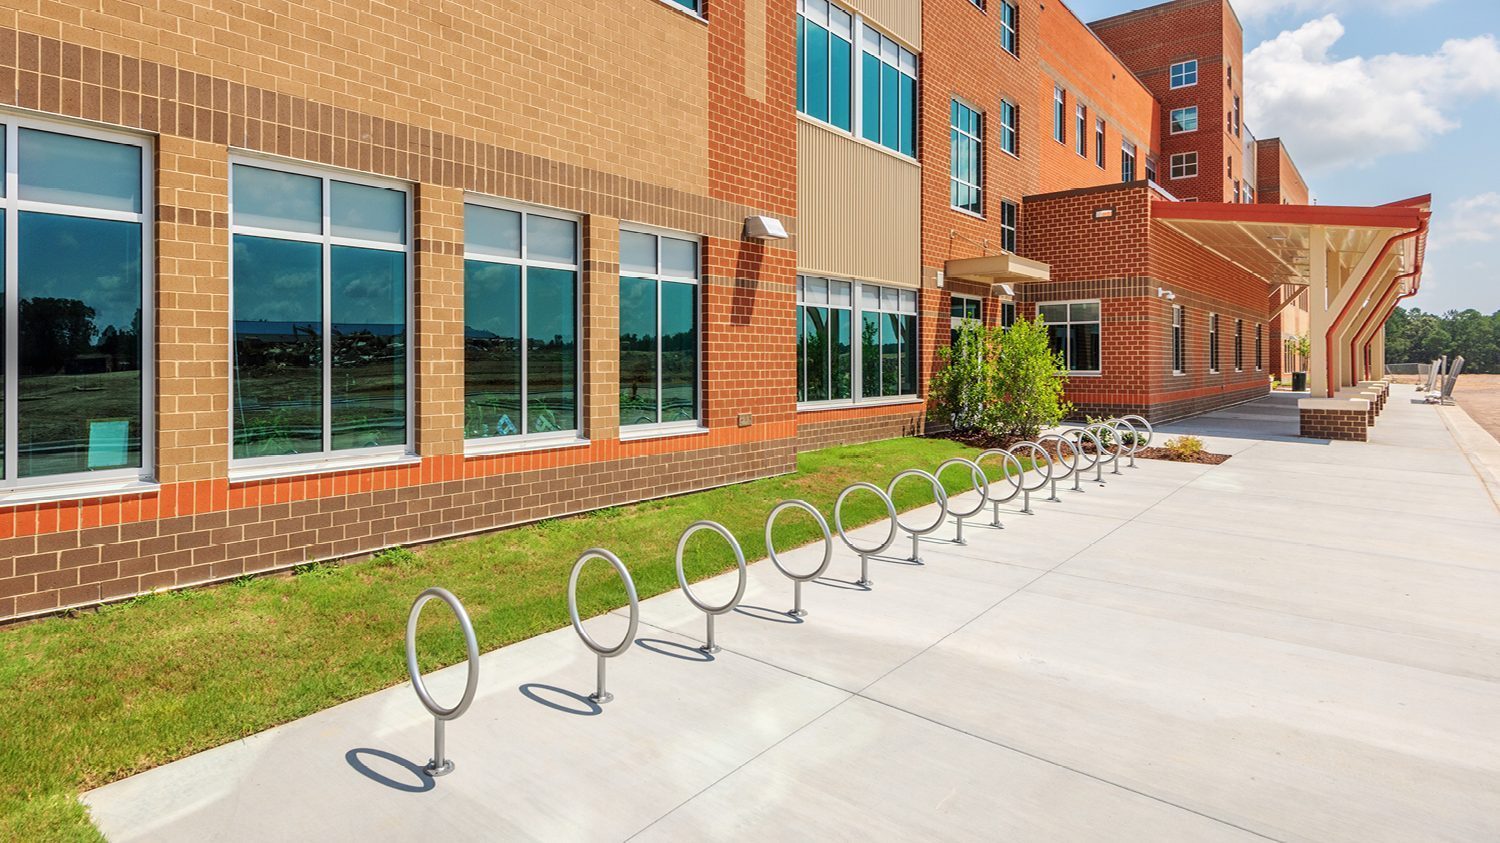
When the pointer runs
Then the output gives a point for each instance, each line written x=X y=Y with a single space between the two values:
x=1149 y=41
x=1278 y=181
x=1073 y=56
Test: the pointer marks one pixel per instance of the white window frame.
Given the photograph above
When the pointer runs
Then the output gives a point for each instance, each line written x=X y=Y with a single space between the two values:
x=257 y=468
x=1183 y=69
x=1080 y=127
x=979 y=164
x=13 y=488
x=1009 y=232
x=1186 y=112
x=1179 y=340
x=856 y=352
x=1059 y=115
x=1213 y=343
x=483 y=445
x=1183 y=165
x=1012 y=26
x=1099 y=136
x=660 y=428
x=1068 y=348
x=900 y=57
x=1127 y=150
x=1011 y=130
x=956 y=322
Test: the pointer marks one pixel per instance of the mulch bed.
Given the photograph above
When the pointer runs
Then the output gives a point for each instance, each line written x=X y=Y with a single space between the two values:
x=1204 y=458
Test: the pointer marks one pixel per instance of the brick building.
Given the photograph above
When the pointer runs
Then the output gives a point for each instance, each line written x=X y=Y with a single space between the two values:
x=300 y=283
x=1279 y=182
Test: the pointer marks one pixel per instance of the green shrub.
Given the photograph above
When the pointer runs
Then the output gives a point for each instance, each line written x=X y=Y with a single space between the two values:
x=1004 y=382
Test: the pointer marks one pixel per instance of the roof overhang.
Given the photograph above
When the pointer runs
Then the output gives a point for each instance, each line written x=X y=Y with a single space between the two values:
x=998 y=269
x=1272 y=241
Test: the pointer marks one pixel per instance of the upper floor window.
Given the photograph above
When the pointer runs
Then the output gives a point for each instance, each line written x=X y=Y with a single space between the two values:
x=1151 y=168
x=1127 y=161
x=1183 y=165
x=1234 y=116
x=967 y=168
x=1185 y=119
x=320 y=283
x=76 y=316
x=1099 y=143
x=888 y=81
x=1009 y=128
x=978 y=4
x=521 y=321
x=658 y=329
x=1185 y=73
x=694 y=6
x=1010 y=28
x=1009 y=212
x=963 y=309
x=1080 y=129
x=1059 y=115
x=825 y=56
x=1213 y=343
x=1073 y=331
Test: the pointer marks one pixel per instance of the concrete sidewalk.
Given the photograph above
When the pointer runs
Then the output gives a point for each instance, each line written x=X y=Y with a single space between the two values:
x=1300 y=644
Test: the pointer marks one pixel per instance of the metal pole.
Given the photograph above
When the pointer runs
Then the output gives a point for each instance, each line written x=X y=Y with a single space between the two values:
x=601 y=696
x=439 y=765
x=958 y=535
x=709 y=646
x=1026 y=502
x=1054 y=498
x=995 y=522
x=916 y=556
x=797 y=611
x=864 y=571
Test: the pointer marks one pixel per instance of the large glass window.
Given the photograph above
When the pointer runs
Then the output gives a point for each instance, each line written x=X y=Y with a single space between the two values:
x=73 y=233
x=888 y=83
x=1009 y=125
x=320 y=348
x=1073 y=330
x=967 y=158
x=964 y=309
x=520 y=322
x=658 y=329
x=1184 y=119
x=1010 y=26
x=1184 y=73
x=825 y=62
x=1184 y=165
x=825 y=355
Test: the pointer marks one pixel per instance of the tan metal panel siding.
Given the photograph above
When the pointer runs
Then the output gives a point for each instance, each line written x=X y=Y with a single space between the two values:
x=901 y=18
x=859 y=210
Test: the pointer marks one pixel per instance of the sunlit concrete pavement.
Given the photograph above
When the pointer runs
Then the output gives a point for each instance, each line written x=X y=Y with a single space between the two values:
x=1300 y=644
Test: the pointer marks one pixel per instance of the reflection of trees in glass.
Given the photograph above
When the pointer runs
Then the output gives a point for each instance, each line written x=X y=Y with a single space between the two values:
x=869 y=354
x=278 y=385
x=825 y=358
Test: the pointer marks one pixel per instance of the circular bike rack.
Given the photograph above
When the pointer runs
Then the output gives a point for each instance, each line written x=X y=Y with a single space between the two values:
x=1109 y=454
x=918 y=532
x=1134 y=435
x=1026 y=490
x=865 y=552
x=1015 y=479
x=739 y=592
x=440 y=765
x=602 y=695
x=798 y=579
x=1141 y=423
x=1094 y=458
x=981 y=485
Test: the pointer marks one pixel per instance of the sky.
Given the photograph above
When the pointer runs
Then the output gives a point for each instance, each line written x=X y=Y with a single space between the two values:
x=1379 y=100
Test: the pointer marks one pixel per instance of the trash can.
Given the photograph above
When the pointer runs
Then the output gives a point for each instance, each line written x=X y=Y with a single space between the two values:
x=1299 y=381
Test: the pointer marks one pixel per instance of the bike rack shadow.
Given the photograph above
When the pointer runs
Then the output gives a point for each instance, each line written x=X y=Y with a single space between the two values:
x=674 y=650
x=830 y=582
x=761 y=613
x=530 y=691
x=423 y=782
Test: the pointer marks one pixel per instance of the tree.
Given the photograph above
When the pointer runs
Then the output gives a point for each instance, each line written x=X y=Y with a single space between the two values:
x=1002 y=382
x=1413 y=336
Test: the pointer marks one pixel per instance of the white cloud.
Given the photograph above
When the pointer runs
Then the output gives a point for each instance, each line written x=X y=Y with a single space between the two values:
x=1260 y=9
x=1474 y=219
x=1341 y=112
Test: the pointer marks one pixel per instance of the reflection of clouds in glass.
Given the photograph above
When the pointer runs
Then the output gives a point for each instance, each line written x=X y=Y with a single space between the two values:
x=367 y=213
x=492 y=299
x=97 y=262
x=277 y=280
x=368 y=286
x=70 y=170
x=549 y=239
x=549 y=304
x=273 y=199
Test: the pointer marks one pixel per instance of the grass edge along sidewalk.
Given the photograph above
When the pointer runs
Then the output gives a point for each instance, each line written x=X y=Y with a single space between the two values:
x=90 y=699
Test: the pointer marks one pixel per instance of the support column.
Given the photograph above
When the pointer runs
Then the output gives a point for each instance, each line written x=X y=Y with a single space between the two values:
x=439 y=325
x=601 y=327
x=1319 y=317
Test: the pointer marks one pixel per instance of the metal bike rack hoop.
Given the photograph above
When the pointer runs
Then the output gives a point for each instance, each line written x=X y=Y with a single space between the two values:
x=981 y=485
x=798 y=579
x=601 y=695
x=865 y=552
x=440 y=765
x=1042 y=480
x=1144 y=423
x=739 y=592
x=938 y=492
x=1014 y=479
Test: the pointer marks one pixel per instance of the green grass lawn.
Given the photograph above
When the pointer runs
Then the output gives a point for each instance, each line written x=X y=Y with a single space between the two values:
x=91 y=699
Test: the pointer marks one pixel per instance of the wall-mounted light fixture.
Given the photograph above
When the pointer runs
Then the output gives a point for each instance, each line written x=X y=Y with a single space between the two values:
x=1104 y=213
x=764 y=228
x=1164 y=293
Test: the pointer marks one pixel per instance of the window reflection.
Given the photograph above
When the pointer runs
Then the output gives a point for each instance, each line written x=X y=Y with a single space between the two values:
x=679 y=352
x=552 y=351
x=658 y=329
x=368 y=310
x=492 y=349
x=278 y=347
x=637 y=351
